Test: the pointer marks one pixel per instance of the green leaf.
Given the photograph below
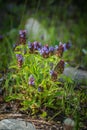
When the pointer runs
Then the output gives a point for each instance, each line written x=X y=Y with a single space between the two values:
x=44 y=114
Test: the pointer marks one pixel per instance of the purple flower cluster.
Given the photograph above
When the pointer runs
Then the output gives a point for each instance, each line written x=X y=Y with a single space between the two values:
x=22 y=33
x=34 y=46
x=19 y=57
x=19 y=60
x=46 y=51
x=31 y=80
x=66 y=46
x=61 y=48
x=22 y=36
x=51 y=50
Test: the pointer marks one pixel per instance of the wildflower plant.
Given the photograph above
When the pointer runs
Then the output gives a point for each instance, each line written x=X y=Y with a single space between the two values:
x=35 y=81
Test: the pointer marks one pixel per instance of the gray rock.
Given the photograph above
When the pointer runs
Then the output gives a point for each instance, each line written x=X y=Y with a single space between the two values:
x=69 y=124
x=36 y=30
x=15 y=124
x=77 y=75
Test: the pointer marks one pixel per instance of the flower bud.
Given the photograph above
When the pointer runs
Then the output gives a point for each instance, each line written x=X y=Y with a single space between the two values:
x=22 y=37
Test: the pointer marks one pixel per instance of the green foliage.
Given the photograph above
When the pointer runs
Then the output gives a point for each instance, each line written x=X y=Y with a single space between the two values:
x=31 y=97
x=5 y=51
x=45 y=93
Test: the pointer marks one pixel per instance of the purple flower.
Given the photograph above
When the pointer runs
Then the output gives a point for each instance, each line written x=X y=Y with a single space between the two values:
x=68 y=45
x=64 y=46
x=19 y=57
x=44 y=50
x=31 y=80
x=51 y=49
x=22 y=36
x=51 y=72
x=36 y=45
x=22 y=32
x=41 y=51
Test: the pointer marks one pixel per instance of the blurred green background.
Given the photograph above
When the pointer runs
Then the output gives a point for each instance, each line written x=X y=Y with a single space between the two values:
x=63 y=21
